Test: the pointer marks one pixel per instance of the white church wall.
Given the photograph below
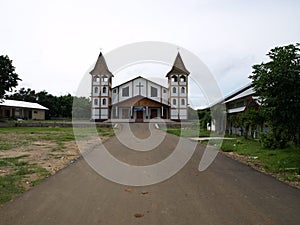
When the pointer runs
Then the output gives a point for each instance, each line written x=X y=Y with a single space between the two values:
x=121 y=97
x=183 y=112
x=104 y=113
x=165 y=96
x=182 y=91
x=182 y=102
x=139 y=90
x=174 y=102
x=174 y=114
x=158 y=90
x=114 y=95
x=174 y=91
x=104 y=91
x=95 y=113
x=104 y=100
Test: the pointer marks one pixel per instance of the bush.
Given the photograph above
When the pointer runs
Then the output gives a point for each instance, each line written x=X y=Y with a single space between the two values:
x=274 y=140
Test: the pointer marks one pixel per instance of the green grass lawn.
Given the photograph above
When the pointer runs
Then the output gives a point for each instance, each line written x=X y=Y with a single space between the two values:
x=188 y=132
x=285 y=163
x=10 y=184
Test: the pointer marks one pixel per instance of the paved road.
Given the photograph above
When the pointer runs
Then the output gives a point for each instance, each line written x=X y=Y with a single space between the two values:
x=228 y=192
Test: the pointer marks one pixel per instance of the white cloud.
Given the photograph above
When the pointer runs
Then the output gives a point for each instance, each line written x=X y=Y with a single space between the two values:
x=53 y=43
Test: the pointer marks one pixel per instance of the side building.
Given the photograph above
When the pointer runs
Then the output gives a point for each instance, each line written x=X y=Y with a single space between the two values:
x=12 y=109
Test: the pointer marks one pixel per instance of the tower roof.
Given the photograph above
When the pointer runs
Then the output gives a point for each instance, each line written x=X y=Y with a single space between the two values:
x=101 y=67
x=178 y=66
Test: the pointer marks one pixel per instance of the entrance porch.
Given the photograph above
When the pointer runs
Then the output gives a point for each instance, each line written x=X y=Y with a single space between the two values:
x=140 y=109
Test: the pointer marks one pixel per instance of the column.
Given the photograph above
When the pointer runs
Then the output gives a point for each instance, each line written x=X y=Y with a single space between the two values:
x=147 y=113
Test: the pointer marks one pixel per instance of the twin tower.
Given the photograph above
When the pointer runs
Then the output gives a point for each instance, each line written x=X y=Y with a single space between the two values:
x=139 y=99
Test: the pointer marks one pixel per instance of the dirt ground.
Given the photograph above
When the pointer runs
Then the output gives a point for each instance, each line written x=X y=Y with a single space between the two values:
x=45 y=154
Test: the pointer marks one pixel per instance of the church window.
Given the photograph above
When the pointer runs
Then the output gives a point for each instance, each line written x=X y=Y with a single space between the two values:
x=182 y=101
x=174 y=101
x=96 y=78
x=153 y=92
x=104 y=90
x=104 y=101
x=164 y=91
x=96 y=90
x=125 y=92
x=174 y=90
x=115 y=91
x=182 y=78
x=95 y=101
x=104 y=78
x=174 y=78
x=182 y=90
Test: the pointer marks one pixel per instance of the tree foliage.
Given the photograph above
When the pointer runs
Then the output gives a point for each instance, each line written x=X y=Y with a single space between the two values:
x=277 y=83
x=8 y=78
x=204 y=116
x=59 y=106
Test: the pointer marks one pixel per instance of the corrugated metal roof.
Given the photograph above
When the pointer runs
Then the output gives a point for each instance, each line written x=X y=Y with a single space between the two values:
x=21 y=104
x=245 y=93
x=236 y=110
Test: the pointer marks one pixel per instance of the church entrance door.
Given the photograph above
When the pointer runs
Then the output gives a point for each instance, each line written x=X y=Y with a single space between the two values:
x=139 y=116
x=153 y=113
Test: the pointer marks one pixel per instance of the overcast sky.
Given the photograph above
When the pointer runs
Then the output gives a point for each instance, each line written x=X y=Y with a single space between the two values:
x=53 y=43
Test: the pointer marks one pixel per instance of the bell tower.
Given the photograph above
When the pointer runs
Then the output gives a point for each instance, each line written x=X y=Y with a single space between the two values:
x=178 y=90
x=101 y=90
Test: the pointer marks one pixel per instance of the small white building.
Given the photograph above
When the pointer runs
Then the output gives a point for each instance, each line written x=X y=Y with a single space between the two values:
x=12 y=109
x=139 y=99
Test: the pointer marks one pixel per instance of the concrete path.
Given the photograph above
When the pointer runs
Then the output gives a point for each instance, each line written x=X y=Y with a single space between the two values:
x=228 y=192
x=210 y=138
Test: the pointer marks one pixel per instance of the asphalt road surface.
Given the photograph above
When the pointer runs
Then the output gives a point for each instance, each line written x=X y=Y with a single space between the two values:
x=228 y=192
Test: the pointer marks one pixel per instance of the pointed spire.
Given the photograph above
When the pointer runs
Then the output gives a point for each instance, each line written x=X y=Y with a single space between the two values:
x=101 y=67
x=178 y=66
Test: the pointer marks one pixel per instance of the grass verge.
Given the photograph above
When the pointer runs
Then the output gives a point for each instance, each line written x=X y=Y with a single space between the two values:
x=281 y=163
x=14 y=181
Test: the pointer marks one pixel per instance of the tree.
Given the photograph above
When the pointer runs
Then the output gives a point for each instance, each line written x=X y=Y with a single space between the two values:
x=8 y=78
x=59 y=107
x=204 y=116
x=23 y=94
x=277 y=83
x=81 y=108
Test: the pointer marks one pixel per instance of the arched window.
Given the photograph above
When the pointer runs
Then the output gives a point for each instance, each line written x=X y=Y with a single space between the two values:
x=182 y=78
x=95 y=101
x=182 y=101
x=96 y=90
x=104 y=101
x=174 y=90
x=104 y=90
x=174 y=78
x=182 y=90
x=174 y=101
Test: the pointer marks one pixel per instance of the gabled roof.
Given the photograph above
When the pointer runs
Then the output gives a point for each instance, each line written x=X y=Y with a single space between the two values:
x=21 y=104
x=245 y=93
x=101 y=67
x=178 y=66
x=136 y=79
x=140 y=100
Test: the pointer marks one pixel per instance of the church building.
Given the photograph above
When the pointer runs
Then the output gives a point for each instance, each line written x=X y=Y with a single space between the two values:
x=139 y=99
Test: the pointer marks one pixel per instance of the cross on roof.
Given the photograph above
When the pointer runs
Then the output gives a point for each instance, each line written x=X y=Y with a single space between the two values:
x=139 y=86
